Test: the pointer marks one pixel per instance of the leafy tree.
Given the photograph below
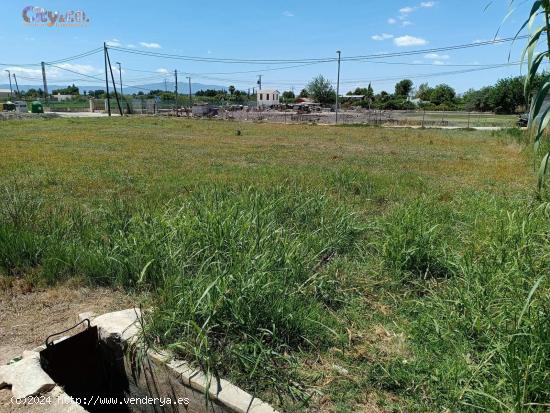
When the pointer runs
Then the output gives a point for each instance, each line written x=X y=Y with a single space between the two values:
x=208 y=93
x=321 y=90
x=33 y=93
x=442 y=94
x=424 y=92
x=508 y=95
x=231 y=89
x=370 y=92
x=288 y=96
x=69 y=90
x=382 y=97
x=303 y=94
x=403 y=88
x=479 y=100
x=360 y=91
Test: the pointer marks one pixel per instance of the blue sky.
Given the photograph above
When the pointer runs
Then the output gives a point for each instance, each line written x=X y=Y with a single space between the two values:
x=260 y=29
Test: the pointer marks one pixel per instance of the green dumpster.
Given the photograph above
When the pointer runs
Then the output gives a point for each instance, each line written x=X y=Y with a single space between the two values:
x=36 y=107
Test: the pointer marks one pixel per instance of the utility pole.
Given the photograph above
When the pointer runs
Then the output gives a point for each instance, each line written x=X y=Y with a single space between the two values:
x=176 y=76
x=9 y=77
x=16 y=85
x=114 y=84
x=165 y=86
x=338 y=84
x=44 y=82
x=190 y=95
x=106 y=79
x=120 y=77
x=260 y=82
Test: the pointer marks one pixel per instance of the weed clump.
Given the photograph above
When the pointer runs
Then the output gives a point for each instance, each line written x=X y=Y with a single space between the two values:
x=237 y=277
x=414 y=243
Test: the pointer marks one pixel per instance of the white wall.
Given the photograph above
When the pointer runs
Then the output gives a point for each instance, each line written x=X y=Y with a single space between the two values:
x=267 y=97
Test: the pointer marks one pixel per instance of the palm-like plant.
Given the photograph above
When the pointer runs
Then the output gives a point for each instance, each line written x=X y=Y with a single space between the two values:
x=539 y=113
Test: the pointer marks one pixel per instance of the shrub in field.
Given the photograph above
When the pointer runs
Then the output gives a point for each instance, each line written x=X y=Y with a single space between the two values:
x=236 y=276
x=481 y=339
x=414 y=244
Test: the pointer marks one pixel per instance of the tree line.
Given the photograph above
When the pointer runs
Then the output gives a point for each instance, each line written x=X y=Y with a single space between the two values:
x=506 y=96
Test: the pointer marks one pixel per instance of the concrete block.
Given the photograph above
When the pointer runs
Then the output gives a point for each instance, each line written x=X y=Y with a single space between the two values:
x=26 y=376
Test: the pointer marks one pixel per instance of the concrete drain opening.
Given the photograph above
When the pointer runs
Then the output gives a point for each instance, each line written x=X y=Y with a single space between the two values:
x=87 y=369
x=106 y=362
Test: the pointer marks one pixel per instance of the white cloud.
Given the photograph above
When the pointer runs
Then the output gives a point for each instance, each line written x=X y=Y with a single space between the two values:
x=406 y=10
x=113 y=43
x=162 y=71
x=383 y=36
x=85 y=69
x=288 y=13
x=406 y=23
x=131 y=46
x=436 y=56
x=150 y=45
x=24 y=71
x=427 y=4
x=438 y=62
x=391 y=20
x=407 y=40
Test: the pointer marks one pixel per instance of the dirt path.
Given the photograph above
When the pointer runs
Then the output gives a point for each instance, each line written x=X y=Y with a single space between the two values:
x=28 y=317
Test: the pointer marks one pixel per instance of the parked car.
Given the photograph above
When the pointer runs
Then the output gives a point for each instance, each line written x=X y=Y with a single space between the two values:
x=523 y=120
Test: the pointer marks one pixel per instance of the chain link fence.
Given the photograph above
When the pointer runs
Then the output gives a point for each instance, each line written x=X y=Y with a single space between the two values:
x=377 y=117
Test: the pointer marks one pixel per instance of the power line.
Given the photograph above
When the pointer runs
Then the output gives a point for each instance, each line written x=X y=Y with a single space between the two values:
x=436 y=50
x=426 y=75
x=315 y=60
x=74 y=71
x=76 y=57
x=63 y=60
x=229 y=73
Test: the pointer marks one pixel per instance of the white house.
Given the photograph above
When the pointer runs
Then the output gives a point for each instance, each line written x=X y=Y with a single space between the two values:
x=267 y=98
x=62 y=98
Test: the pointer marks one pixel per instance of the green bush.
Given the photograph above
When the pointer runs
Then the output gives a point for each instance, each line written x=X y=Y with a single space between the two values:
x=481 y=339
x=236 y=275
x=414 y=245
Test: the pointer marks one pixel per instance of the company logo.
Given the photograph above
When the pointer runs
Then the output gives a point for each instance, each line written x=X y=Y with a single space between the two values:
x=39 y=16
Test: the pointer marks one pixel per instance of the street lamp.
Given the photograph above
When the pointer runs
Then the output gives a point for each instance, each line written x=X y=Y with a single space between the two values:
x=338 y=84
x=9 y=77
x=190 y=94
x=120 y=77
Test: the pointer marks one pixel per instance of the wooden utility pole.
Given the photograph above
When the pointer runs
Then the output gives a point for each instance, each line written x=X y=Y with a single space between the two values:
x=190 y=94
x=16 y=86
x=9 y=78
x=114 y=84
x=176 y=76
x=107 y=79
x=45 y=83
x=338 y=84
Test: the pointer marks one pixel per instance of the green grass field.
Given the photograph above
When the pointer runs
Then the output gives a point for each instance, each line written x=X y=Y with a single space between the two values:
x=322 y=268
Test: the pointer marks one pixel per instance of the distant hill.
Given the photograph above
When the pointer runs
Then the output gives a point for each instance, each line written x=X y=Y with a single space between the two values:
x=183 y=87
